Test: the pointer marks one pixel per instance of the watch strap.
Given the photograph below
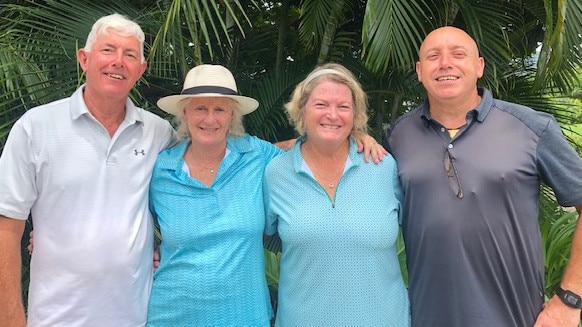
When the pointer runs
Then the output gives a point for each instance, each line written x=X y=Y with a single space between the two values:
x=569 y=298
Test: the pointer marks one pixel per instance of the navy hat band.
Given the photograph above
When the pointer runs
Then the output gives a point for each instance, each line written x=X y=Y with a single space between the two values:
x=209 y=89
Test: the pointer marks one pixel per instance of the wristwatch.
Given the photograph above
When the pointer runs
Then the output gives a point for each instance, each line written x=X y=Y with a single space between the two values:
x=569 y=298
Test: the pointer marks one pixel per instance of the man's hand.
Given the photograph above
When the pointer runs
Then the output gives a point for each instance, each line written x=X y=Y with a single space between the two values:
x=285 y=145
x=30 y=242
x=557 y=314
x=156 y=258
x=370 y=147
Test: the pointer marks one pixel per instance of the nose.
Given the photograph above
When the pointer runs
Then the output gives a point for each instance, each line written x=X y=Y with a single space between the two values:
x=210 y=116
x=332 y=112
x=445 y=61
x=118 y=60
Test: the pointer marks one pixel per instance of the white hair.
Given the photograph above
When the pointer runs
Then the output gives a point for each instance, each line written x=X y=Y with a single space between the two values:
x=121 y=25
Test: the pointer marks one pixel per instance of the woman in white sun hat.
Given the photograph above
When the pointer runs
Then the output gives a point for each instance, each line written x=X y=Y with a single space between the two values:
x=206 y=193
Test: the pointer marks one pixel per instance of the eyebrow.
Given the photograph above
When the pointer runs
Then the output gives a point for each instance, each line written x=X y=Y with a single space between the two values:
x=440 y=49
x=111 y=45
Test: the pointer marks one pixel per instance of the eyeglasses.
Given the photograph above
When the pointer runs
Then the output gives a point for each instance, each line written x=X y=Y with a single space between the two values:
x=453 y=174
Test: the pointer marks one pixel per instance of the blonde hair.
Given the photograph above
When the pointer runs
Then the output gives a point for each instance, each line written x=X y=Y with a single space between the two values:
x=118 y=23
x=236 y=127
x=335 y=73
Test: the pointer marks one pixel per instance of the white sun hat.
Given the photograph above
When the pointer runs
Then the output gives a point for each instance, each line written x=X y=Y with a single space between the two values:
x=205 y=81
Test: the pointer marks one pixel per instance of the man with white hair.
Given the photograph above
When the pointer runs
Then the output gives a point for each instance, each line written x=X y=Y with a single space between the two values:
x=81 y=167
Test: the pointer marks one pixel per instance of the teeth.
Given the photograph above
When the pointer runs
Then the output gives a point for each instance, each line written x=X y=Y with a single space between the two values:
x=447 y=78
x=116 y=76
x=330 y=126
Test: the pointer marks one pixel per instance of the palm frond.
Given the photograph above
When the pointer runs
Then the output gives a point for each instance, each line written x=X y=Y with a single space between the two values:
x=315 y=14
x=391 y=33
x=187 y=26
x=270 y=120
x=560 y=53
x=557 y=229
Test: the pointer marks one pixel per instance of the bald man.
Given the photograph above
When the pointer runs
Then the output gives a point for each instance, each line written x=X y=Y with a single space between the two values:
x=471 y=168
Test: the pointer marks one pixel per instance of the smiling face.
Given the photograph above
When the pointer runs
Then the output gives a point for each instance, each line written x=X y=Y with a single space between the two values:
x=449 y=65
x=112 y=66
x=329 y=113
x=208 y=120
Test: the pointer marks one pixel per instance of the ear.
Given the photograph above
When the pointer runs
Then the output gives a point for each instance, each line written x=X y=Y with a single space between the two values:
x=480 y=67
x=418 y=71
x=82 y=58
x=144 y=66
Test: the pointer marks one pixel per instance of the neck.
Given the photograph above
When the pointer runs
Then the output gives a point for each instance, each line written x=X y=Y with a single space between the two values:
x=206 y=155
x=326 y=152
x=453 y=114
x=106 y=111
x=326 y=164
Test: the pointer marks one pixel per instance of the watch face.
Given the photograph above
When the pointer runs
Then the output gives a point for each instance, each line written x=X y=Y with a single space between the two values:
x=571 y=299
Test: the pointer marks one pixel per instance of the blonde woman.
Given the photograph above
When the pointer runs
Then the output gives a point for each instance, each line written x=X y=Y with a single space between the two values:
x=336 y=215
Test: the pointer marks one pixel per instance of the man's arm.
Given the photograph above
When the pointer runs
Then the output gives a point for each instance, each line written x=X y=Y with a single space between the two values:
x=285 y=145
x=11 y=307
x=371 y=148
x=555 y=312
x=366 y=144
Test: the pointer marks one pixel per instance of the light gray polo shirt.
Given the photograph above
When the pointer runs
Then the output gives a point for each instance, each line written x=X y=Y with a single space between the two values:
x=87 y=193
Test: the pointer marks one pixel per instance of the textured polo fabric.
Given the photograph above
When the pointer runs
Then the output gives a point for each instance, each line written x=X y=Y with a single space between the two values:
x=478 y=261
x=212 y=270
x=87 y=192
x=339 y=265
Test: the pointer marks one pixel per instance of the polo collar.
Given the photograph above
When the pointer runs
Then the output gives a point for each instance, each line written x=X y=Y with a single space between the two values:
x=479 y=113
x=79 y=108
x=353 y=158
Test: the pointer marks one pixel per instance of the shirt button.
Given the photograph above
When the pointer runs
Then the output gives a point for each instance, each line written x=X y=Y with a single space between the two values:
x=450 y=146
x=443 y=129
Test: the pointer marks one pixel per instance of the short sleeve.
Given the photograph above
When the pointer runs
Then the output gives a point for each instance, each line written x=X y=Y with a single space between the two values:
x=18 y=189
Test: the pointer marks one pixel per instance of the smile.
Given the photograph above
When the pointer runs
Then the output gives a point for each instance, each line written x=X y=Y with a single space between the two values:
x=209 y=130
x=116 y=76
x=447 y=78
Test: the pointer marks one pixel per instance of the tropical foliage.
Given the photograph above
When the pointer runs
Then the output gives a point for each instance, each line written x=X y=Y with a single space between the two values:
x=531 y=48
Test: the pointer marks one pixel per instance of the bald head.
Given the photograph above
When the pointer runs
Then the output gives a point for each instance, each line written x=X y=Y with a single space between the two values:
x=451 y=37
x=449 y=67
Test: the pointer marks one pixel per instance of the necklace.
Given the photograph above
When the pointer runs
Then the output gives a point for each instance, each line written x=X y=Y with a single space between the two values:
x=211 y=167
x=330 y=182
x=455 y=128
x=208 y=169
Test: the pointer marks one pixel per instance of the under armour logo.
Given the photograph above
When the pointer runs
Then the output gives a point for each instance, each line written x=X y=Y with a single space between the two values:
x=142 y=152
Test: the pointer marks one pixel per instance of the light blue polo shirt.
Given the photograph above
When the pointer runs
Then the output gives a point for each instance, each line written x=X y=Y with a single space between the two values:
x=339 y=265
x=212 y=270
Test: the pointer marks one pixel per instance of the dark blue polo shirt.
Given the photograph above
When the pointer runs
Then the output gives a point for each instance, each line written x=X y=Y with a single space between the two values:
x=478 y=260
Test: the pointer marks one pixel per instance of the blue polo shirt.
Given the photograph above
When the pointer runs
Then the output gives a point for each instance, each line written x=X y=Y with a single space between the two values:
x=339 y=265
x=212 y=270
